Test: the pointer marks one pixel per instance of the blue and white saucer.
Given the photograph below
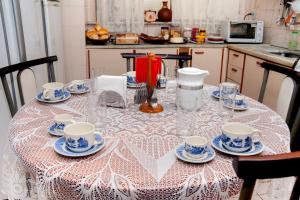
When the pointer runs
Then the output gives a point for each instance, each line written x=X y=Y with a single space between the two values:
x=40 y=98
x=257 y=148
x=53 y=131
x=60 y=148
x=132 y=85
x=241 y=107
x=216 y=94
x=86 y=89
x=208 y=156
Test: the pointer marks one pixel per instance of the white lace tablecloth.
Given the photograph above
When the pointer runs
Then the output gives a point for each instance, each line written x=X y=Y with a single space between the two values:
x=138 y=161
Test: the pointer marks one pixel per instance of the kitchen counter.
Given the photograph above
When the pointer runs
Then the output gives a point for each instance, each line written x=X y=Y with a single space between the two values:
x=147 y=46
x=258 y=50
x=263 y=51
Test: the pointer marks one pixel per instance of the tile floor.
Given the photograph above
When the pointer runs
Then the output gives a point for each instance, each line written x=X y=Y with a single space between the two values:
x=275 y=189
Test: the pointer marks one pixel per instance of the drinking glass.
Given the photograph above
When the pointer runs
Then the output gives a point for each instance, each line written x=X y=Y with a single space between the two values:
x=97 y=109
x=228 y=93
x=170 y=91
x=185 y=115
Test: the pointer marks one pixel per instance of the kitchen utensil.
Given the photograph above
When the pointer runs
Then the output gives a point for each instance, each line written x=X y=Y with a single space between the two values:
x=140 y=93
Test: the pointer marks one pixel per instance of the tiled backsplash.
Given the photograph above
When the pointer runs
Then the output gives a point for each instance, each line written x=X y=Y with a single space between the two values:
x=270 y=11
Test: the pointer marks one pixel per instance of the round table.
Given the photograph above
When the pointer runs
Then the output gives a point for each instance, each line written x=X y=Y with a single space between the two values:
x=138 y=161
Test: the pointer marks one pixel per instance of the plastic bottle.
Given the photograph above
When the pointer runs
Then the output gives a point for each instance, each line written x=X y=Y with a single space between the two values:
x=293 y=42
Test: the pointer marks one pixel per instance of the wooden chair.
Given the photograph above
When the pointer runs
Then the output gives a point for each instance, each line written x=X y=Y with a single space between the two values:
x=267 y=167
x=292 y=83
x=293 y=77
x=25 y=80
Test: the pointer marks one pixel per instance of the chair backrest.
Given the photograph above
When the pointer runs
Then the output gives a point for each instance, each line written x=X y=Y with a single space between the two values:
x=284 y=97
x=27 y=85
x=266 y=167
x=295 y=97
x=25 y=77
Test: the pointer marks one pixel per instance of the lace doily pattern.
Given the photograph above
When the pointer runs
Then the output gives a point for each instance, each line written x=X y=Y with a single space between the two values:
x=138 y=161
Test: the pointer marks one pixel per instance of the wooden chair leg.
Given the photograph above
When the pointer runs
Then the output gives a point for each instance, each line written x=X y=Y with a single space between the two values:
x=247 y=189
x=296 y=190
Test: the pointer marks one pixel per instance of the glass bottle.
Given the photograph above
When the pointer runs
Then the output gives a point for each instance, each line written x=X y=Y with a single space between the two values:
x=293 y=42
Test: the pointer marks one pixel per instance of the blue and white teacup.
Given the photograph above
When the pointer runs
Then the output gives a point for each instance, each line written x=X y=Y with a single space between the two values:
x=53 y=91
x=238 y=137
x=77 y=86
x=131 y=77
x=61 y=121
x=162 y=81
x=239 y=100
x=195 y=146
x=80 y=136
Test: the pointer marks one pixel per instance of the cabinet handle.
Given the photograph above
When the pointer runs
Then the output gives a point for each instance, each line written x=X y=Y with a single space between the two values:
x=199 y=52
x=234 y=70
x=258 y=63
x=236 y=55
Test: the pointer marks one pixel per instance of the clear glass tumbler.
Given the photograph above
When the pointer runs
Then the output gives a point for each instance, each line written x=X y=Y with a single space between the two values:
x=228 y=93
x=185 y=116
x=97 y=109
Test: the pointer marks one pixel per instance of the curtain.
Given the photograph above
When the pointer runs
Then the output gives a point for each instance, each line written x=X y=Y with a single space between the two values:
x=121 y=15
x=206 y=14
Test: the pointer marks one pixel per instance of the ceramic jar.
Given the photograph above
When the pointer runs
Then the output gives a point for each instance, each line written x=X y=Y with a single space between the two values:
x=164 y=14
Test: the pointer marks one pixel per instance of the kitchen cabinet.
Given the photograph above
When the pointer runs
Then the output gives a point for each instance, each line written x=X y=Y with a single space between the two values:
x=252 y=79
x=209 y=59
x=171 y=64
x=108 y=61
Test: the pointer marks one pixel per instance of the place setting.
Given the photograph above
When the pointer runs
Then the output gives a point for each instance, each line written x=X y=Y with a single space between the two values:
x=238 y=139
x=195 y=150
x=78 y=87
x=53 y=93
x=80 y=139
x=229 y=94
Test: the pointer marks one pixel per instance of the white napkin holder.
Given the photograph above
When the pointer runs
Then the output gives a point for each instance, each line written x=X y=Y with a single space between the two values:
x=116 y=89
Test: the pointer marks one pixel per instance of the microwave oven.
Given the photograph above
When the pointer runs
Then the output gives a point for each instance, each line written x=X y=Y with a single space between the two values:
x=243 y=31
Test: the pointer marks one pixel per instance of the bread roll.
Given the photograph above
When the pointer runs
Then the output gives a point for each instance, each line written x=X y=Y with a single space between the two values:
x=97 y=27
x=103 y=31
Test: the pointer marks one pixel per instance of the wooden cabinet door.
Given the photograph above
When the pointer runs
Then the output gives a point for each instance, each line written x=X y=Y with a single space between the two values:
x=108 y=61
x=209 y=59
x=253 y=76
x=171 y=64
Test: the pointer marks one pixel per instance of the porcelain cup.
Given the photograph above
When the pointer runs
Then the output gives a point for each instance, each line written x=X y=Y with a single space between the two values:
x=77 y=86
x=131 y=77
x=195 y=146
x=239 y=100
x=238 y=137
x=53 y=91
x=80 y=136
x=62 y=120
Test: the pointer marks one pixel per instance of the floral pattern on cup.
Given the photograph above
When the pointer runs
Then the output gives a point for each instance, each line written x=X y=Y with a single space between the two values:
x=53 y=91
x=77 y=86
x=194 y=150
x=62 y=120
x=237 y=137
x=80 y=136
x=237 y=143
x=80 y=143
x=60 y=126
x=195 y=146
